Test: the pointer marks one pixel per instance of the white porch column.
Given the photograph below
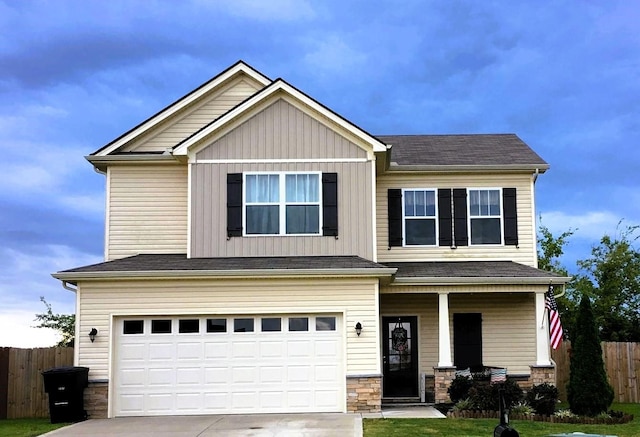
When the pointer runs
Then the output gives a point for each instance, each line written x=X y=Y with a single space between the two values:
x=543 y=357
x=444 y=336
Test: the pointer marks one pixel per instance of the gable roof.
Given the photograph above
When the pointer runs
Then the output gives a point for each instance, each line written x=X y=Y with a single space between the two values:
x=278 y=85
x=469 y=151
x=236 y=69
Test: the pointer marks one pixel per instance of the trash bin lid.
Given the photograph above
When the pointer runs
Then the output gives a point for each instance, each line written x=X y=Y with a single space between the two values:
x=66 y=369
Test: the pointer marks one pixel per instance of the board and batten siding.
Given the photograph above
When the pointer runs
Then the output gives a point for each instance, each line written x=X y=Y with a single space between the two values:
x=524 y=253
x=196 y=115
x=281 y=131
x=508 y=326
x=209 y=214
x=278 y=133
x=146 y=210
x=357 y=299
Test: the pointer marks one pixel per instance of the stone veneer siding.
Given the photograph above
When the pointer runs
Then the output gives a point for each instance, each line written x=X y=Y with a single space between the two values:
x=364 y=394
x=443 y=378
x=96 y=399
x=542 y=374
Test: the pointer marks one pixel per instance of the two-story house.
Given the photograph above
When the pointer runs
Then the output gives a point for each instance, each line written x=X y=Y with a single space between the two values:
x=264 y=254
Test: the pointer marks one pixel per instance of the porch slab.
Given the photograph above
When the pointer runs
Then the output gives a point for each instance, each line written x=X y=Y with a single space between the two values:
x=422 y=412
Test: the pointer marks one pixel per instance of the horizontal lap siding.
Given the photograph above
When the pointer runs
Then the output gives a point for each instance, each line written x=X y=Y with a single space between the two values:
x=508 y=326
x=195 y=116
x=147 y=210
x=525 y=253
x=357 y=299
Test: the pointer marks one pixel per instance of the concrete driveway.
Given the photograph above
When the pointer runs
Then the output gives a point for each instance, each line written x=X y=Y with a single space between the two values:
x=261 y=425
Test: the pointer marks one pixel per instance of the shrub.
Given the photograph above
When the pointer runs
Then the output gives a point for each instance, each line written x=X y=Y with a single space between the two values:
x=543 y=398
x=589 y=393
x=459 y=388
x=513 y=394
x=522 y=408
x=464 y=404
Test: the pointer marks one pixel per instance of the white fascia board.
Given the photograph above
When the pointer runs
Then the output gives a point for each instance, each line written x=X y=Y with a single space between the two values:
x=501 y=280
x=212 y=274
x=279 y=85
x=396 y=168
x=240 y=67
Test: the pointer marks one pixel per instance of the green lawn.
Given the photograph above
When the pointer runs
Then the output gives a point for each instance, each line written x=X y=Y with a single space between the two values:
x=27 y=427
x=484 y=427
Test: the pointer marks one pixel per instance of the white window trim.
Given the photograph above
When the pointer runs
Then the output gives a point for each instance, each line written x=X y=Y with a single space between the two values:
x=500 y=216
x=404 y=218
x=282 y=203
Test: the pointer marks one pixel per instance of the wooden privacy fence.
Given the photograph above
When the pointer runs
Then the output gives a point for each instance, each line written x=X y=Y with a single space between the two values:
x=622 y=363
x=21 y=384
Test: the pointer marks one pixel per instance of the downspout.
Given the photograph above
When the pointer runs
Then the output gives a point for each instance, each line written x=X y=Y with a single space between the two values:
x=97 y=170
x=535 y=175
x=66 y=287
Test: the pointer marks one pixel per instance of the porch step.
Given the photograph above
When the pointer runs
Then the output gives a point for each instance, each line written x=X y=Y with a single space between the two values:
x=402 y=401
x=406 y=405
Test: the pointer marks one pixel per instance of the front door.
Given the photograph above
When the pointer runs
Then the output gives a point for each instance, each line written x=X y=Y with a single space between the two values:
x=400 y=357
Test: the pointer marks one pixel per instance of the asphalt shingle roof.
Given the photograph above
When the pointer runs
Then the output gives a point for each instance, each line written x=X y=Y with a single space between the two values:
x=180 y=262
x=473 y=149
x=468 y=269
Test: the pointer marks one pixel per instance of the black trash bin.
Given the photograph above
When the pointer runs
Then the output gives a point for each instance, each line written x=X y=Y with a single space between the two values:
x=65 y=386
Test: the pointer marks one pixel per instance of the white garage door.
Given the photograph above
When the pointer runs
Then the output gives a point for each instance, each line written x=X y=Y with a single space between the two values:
x=237 y=364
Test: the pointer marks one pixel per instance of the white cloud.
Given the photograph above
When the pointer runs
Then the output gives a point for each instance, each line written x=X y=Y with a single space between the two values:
x=17 y=330
x=272 y=10
x=589 y=226
x=334 y=55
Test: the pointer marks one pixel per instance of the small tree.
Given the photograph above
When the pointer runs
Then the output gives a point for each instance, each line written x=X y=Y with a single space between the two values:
x=589 y=393
x=65 y=324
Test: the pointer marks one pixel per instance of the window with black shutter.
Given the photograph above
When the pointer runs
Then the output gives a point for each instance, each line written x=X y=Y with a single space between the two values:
x=330 y=204
x=510 y=216
x=234 y=205
x=445 y=218
x=394 y=210
x=461 y=236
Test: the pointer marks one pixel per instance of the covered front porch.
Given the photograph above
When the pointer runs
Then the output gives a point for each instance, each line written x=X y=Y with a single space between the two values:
x=433 y=326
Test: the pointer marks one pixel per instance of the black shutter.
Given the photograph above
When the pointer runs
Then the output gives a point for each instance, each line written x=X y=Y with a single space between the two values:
x=460 y=217
x=445 y=219
x=510 y=216
x=330 y=204
x=234 y=205
x=394 y=197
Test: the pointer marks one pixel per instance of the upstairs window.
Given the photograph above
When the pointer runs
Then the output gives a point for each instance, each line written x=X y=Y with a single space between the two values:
x=419 y=214
x=485 y=216
x=282 y=204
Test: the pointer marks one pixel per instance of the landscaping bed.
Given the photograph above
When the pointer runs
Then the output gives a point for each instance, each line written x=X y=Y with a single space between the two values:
x=615 y=419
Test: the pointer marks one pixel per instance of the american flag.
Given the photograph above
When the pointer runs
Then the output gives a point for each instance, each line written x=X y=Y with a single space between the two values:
x=555 y=327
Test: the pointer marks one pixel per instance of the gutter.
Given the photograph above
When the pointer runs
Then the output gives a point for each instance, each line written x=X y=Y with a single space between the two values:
x=479 y=280
x=395 y=167
x=212 y=274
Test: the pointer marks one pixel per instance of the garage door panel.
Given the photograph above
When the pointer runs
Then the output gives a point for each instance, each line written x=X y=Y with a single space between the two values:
x=161 y=351
x=188 y=375
x=217 y=375
x=133 y=352
x=189 y=351
x=272 y=374
x=217 y=350
x=229 y=372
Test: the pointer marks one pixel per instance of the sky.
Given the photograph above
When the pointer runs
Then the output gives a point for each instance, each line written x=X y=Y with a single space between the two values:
x=75 y=74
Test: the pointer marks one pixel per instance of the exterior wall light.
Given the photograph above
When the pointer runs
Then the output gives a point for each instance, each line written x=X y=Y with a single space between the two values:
x=358 y=328
x=92 y=334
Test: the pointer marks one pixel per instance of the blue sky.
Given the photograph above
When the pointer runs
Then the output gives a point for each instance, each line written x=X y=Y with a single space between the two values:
x=563 y=75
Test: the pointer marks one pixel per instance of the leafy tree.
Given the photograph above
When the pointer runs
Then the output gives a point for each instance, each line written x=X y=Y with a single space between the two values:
x=588 y=392
x=63 y=323
x=550 y=251
x=613 y=281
